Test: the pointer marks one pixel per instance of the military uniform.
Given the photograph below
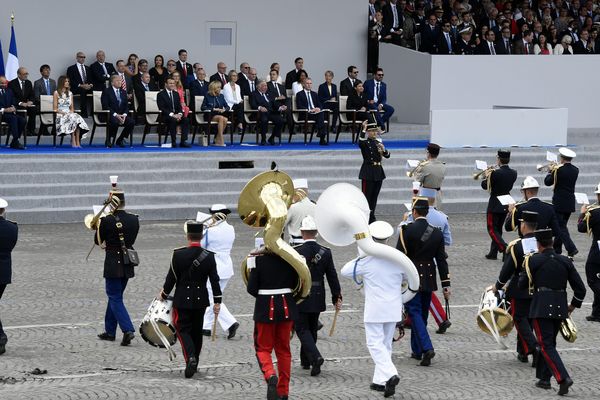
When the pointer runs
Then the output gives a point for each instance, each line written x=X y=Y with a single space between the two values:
x=296 y=213
x=271 y=282
x=589 y=222
x=499 y=182
x=371 y=172
x=431 y=176
x=563 y=179
x=546 y=216
x=320 y=262
x=9 y=233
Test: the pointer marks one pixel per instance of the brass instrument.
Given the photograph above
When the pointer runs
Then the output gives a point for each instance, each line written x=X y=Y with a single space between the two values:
x=550 y=167
x=413 y=171
x=568 y=330
x=264 y=202
x=484 y=173
x=91 y=221
x=299 y=195
x=215 y=219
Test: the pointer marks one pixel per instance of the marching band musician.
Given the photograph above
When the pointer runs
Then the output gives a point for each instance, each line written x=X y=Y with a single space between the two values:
x=190 y=269
x=320 y=262
x=9 y=232
x=424 y=245
x=498 y=182
x=548 y=274
x=383 y=307
x=563 y=178
x=371 y=172
x=589 y=222
x=219 y=238
x=432 y=173
x=271 y=282
x=520 y=299
x=301 y=207
x=117 y=268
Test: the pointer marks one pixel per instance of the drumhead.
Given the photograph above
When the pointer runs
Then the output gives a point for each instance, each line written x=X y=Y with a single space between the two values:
x=149 y=334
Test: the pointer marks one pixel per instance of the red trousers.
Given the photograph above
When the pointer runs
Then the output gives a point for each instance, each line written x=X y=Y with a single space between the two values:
x=269 y=337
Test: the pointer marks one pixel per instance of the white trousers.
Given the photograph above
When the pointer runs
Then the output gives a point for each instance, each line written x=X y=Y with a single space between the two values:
x=379 y=341
x=225 y=318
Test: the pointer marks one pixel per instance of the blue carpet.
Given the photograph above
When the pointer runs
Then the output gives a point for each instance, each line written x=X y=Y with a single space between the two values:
x=151 y=148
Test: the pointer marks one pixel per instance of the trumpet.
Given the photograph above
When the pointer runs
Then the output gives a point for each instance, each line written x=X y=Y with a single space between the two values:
x=484 y=173
x=550 y=167
x=215 y=219
x=91 y=220
x=413 y=171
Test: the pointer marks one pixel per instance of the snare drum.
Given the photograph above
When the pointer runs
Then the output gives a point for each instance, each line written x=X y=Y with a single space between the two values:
x=493 y=316
x=157 y=326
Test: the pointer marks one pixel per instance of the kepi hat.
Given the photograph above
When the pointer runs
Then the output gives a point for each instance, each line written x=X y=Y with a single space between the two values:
x=381 y=230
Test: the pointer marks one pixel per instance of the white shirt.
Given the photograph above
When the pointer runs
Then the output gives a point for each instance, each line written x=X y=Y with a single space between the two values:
x=296 y=213
x=230 y=97
x=279 y=80
x=219 y=239
x=297 y=87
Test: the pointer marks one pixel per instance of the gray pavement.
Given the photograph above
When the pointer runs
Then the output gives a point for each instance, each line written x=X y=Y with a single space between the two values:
x=54 y=309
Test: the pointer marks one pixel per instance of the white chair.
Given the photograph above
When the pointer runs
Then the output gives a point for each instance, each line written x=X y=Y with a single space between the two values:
x=152 y=116
x=344 y=120
x=97 y=111
x=305 y=123
x=47 y=117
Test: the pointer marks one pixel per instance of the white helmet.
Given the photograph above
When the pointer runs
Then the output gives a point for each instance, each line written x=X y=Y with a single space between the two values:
x=529 y=183
x=308 y=224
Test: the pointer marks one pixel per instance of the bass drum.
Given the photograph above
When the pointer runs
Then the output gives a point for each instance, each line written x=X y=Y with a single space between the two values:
x=157 y=326
x=494 y=316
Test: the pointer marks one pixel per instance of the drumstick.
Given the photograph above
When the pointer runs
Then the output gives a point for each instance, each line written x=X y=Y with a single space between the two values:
x=334 y=321
x=214 y=328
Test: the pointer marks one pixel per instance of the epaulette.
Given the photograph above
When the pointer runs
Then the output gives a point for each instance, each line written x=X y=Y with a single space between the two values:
x=179 y=248
x=514 y=242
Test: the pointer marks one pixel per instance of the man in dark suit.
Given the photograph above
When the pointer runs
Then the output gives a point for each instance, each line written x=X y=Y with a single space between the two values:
x=320 y=262
x=589 y=222
x=79 y=75
x=347 y=85
x=184 y=67
x=244 y=72
x=170 y=107
x=308 y=100
x=142 y=69
x=563 y=178
x=504 y=44
x=9 y=232
x=248 y=85
x=276 y=90
x=22 y=89
x=583 y=45
x=498 y=182
x=221 y=74
x=445 y=43
x=191 y=268
x=114 y=99
x=45 y=85
x=524 y=45
x=292 y=76
x=376 y=91
x=8 y=114
x=268 y=110
x=488 y=46
x=140 y=87
x=126 y=82
x=118 y=232
x=199 y=87
x=328 y=97
x=393 y=21
x=100 y=72
x=430 y=34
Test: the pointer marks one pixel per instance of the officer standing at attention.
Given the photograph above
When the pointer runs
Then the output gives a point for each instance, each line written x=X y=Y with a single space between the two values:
x=9 y=232
x=371 y=172
x=589 y=222
x=190 y=269
x=498 y=182
x=320 y=262
x=562 y=178
x=117 y=231
x=432 y=173
x=547 y=274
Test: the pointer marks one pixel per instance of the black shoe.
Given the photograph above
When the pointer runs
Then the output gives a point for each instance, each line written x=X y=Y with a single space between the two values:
x=574 y=253
x=232 y=329
x=376 y=387
x=443 y=327
x=542 y=384
x=271 y=140
x=263 y=142
x=564 y=386
x=490 y=256
x=185 y=145
x=120 y=143
x=108 y=144
x=592 y=318
x=127 y=338
x=305 y=366
x=272 y=388
x=537 y=352
x=323 y=142
x=2 y=349
x=390 y=386
x=426 y=361
x=522 y=357
x=316 y=366
x=173 y=145
x=106 y=336
x=206 y=332
x=15 y=144
x=319 y=325
x=416 y=357
x=191 y=367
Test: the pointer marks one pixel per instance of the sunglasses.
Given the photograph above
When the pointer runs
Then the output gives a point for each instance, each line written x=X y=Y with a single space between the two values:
x=379 y=74
x=170 y=65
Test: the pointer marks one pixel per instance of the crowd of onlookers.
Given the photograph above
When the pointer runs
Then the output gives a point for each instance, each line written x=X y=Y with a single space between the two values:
x=485 y=27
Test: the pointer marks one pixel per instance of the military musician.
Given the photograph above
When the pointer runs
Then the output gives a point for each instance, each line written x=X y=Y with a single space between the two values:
x=547 y=276
x=301 y=207
x=191 y=267
x=498 y=182
x=431 y=173
x=9 y=232
x=562 y=178
x=589 y=222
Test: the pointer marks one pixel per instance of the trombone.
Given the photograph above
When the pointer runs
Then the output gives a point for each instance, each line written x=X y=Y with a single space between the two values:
x=550 y=167
x=413 y=171
x=484 y=173
x=91 y=220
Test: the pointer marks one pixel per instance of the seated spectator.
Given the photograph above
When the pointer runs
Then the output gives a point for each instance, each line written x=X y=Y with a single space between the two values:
x=101 y=71
x=275 y=89
x=235 y=100
x=564 y=48
x=298 y=86
x=391 y=21
x=445 y=43
x=142 y=69
x=584 y=44
x=466 y=44
x=181 y=92
x=524 y=45
x=376 y=91
x=248 y=84
x=467 y=22
x=199 y=87
x=537 y=31
x=8 y=114
x=79 y=75
x=328 y=97
x=220 y=76
x=546 y=24
x=144 y=85
x=504 y=44
x=347 y=85
x=243 y=74
x=562 y=22
x=542 y=47
x=168 y=102
x=429 y=35
x=68 y=122
x=595 y=41
x=488 y=45
x=22 y=89
x=306 y=99
x=45 y=85
x=571 y=31
x=171 y=67
x=553 y=38
x=357 y=101
x=131 y=69
x=292 y=76
x=275 y=66
x=158 y=72
x=268 y=110
x=192 y=77
x=216 y=104
x=126 y=82
x=114 y=99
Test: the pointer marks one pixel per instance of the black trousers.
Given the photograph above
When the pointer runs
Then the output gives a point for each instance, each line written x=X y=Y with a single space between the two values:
x=84 y=102
x=371 y=191
x=172 y=124
x=237 y=111
x=188 y=324
x=319 y=119
x=550 y=362
x=263 y=123
x=16 y=124
x=306 y=329
x=3 y=338
x=494 y=224
x=113 y=127
x=526 y=341
x=565 y=237
x=31 y=113
x=592 y=273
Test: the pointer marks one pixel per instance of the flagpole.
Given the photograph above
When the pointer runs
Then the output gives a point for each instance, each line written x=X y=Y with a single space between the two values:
x=12 y=63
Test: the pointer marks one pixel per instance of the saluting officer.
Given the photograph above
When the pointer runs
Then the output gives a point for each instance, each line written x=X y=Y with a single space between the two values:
x=117 y=231
x=431 y=174
x=563 y=179
x=301 y=207
x=191 y=268
x=498 y=182
x=547 y=275
x=424 y=245
x=520 y=299
x=9 y=232
x=320 y=262
x=371 y=172
x=589 y=222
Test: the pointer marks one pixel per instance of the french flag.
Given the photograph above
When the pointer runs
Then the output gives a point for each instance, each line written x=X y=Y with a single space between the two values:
x=12 y=62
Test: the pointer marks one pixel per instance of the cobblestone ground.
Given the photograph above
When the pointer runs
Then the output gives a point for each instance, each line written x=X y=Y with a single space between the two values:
x=55 y=307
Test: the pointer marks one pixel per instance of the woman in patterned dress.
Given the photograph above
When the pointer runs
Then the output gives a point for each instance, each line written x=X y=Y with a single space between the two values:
x=68 y=122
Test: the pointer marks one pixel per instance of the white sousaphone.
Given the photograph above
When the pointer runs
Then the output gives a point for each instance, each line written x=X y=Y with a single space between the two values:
x=342 y=217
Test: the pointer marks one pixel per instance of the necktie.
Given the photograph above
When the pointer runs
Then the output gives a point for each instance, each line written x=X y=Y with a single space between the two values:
x=507 y=46
x=277 y=88
x=352 y=83
x=372 y=7
x=395 y=12
x=265 y=96
x=449 y=43
x=377 y=90
x=309 y=98
x=492 y=50
x=200 y=84
x=83 y=76
x=118 y=96
x=184 y=69
x=223 y=81
x=526 y=48
x=123 y=83
x=251 y=86
x=2 y=92
x=172 y=102
x=146 y=87
x=104 y=68
x=48 y=87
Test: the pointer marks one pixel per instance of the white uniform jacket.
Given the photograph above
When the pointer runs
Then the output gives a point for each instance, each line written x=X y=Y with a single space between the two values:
x=219 y=239
x=296 y=213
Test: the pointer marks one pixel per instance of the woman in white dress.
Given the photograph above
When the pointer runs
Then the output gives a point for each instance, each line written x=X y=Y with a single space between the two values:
x=68 y=122
x=233 y=97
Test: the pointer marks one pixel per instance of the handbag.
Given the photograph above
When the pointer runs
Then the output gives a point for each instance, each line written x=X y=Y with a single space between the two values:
x=130 y=256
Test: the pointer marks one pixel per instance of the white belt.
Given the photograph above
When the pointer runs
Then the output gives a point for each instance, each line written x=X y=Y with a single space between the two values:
x=267 y=292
